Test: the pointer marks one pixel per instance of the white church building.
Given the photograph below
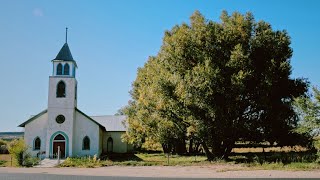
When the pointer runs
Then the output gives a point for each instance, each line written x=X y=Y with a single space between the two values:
x=63 y=126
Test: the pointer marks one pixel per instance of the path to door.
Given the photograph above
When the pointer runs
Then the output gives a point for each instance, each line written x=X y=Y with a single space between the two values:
x=48 y=163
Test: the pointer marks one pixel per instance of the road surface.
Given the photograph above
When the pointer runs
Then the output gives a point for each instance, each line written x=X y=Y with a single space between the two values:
x=158 y=172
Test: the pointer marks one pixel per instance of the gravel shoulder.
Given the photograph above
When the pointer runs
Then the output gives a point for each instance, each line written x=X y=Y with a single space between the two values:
x=212 y=171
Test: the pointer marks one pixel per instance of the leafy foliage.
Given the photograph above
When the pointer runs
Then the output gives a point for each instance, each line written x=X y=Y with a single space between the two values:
x=3 y=147
x=17 y=148
x=214 y=83
x=308 y=109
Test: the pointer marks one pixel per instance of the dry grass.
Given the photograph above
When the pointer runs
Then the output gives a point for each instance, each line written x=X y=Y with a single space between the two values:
x=270 y=149
x=5 y=161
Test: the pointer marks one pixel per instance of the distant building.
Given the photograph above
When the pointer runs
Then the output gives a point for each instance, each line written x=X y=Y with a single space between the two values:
x=63 y=125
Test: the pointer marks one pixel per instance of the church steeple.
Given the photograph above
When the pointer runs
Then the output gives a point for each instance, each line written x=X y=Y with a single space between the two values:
x=64 y=53
x=64 y=64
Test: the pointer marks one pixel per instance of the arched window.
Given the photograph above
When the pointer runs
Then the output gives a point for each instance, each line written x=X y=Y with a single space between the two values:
x=110 y=145
x=59 y=69
x=61 y=89
x=59 y=137
x=66 y=69
x=37 y=144
x=86 y=143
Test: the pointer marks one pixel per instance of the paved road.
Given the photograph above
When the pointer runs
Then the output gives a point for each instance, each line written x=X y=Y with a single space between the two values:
x=150 y=172
x=10 y=176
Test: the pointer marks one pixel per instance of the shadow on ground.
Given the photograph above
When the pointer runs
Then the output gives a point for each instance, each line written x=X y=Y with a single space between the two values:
x=274 y=157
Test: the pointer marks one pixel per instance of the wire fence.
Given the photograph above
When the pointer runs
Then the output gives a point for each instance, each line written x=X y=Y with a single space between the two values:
x=6 y=160
x=9 y=160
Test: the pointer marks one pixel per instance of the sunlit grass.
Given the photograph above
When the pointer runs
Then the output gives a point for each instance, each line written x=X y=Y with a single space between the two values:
x=160 y=159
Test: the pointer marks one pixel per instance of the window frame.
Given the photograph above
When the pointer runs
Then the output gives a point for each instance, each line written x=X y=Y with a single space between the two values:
x=60 y=116
x=59 y=69
x=63 y=95
x=35 y=148
x=86 y=143
x=65 y=70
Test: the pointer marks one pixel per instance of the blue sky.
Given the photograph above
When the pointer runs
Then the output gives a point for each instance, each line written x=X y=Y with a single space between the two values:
x=111 y=39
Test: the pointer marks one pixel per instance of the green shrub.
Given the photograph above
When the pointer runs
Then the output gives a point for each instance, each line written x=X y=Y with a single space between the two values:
x=2 y=163
x=31 y=161
x=88 y=162
x=3 y=147
x=17 y=148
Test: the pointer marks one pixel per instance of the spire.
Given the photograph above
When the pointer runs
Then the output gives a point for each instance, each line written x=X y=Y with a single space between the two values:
x=66 y=34
x=65 y=53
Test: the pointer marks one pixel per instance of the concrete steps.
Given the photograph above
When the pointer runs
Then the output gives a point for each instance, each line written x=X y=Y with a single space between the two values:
x=49 y=162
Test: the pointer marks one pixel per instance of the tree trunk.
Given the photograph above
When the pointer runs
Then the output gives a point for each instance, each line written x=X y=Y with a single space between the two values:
x=166 y=148
x=210 y=156
x=222 y=150
x=180 y=147
x=191 y=146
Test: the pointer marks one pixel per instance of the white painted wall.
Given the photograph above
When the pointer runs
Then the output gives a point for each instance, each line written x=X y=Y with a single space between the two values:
x=118 y=145
x=37 y=127
x=64 y=106
x=63 y=102
x=85 y=127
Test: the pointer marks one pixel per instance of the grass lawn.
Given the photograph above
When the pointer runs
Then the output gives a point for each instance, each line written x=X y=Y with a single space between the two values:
x=141 y=159
x=161 y=159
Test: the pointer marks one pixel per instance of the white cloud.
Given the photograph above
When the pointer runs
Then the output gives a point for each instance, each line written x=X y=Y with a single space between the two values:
x=37 y=12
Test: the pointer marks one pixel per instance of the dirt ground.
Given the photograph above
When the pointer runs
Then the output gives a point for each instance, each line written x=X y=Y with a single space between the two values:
x=212 y=171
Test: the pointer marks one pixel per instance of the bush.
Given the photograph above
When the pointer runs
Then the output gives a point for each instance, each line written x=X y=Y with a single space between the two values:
x=88 y=162
x=3 y=147
x=30 y=161
x=17 y=148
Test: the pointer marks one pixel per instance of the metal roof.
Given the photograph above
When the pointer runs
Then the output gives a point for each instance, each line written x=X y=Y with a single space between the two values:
x=112 y=123
x=64 y=53
x=100 y=125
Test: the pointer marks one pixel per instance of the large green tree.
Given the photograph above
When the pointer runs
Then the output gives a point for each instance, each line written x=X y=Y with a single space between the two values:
x=215 y=83
x=308 y=109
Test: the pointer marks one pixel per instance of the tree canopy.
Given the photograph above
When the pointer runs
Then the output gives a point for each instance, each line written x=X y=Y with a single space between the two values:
x=215 y=83
x=308 y=110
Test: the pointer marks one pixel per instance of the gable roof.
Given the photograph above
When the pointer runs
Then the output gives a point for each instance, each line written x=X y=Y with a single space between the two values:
x=107 y=123
x=91 y=119
x=33 y=118
x=112 y=123
x=64 y=53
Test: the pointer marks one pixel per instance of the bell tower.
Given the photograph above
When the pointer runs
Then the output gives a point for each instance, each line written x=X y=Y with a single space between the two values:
x=62 y=101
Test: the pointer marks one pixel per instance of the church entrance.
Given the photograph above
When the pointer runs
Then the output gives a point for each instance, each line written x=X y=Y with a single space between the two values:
x=59 y=141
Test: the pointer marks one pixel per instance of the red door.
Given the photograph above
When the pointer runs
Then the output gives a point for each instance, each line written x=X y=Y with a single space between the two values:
x=62 y=149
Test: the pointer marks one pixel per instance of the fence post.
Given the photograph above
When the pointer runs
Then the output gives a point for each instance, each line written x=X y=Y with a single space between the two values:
x=58 y=155
x=11 y=159
x=39 y=157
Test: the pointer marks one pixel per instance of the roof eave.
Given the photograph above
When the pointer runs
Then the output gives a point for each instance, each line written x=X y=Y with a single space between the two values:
x=32 y=118
x=59 y=60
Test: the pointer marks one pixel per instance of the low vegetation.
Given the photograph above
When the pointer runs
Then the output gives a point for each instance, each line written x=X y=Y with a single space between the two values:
x=6 y=160
x=18 y=151
x=237 y=161
x=141 y=159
